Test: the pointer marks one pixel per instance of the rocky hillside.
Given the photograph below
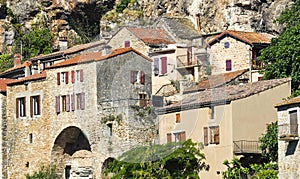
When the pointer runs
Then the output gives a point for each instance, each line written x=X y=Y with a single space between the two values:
x=78 y=21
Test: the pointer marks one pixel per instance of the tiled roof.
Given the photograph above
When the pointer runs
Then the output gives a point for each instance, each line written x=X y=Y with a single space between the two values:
x=222 y=95
x=29 y=78
x=3 y=83
x=247 y=37
x=289 y=102
x=71 y=50
x=151 y=35
x=181 y=27
x=96 y=56
x=214 y=81
x=25 y=64
x=166 y=90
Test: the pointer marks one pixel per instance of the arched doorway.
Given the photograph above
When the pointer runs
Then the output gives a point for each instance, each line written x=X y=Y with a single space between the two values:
x=71 y=154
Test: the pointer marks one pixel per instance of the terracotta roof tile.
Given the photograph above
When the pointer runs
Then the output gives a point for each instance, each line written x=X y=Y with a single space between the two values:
x=223 y=94
x=3 y=83
x=95 y=56
x=29 y=78
x=25 y=64
x=294 y=100
x=151 y=35
x=247 y=37
x=214 y=81
x=71 y=50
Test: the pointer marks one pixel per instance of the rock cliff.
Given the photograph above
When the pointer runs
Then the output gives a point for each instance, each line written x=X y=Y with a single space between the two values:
x=78 y=21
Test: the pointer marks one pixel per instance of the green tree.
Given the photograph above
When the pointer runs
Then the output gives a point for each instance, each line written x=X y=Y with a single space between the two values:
x=172 y=160
x=282 y=57
x=269 y=143
x=6 y=62
x=45 y=172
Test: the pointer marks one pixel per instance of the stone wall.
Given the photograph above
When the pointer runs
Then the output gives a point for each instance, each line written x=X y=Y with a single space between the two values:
x=238 y=52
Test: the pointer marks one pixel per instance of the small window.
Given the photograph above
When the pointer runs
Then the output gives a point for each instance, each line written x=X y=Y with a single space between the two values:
x=35 y=108
x=142 y=100
x=64 y=103
x=156 y=66
x=109 y=127
x=137 y=77
x=226 y=45
x=63 y=77
x=214 y=135
x=293 y=122
x=30 y=138
x=27 y=165
x=20 y=107
x=228 y=65
x=79 y=75
x=127 y=43
x=178 y=118
x=180 y=136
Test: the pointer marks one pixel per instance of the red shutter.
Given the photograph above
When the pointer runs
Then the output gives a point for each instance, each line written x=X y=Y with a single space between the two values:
x=17 y=108
x=58 y=78
x=57 y=104
x=68 y=103
x=31 y=106
x=73 y=102
x=81 y=75
x=127 y=43
x=67 y=77
x=205 y=129
x=39 y=105
x=73 y=76
x=131 y=76
x=228 y=65
x=169 y=137
x=142 y=77
x=163 y=65
x=82 y=99
x=217 y=135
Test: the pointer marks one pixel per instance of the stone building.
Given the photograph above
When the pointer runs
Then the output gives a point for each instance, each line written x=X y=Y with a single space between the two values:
x=288 y=138
x=226 y=120
x=237 y=50
x=78 y=113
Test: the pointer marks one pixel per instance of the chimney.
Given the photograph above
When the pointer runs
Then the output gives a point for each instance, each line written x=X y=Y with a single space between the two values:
x=106 y=50
x=17 y=60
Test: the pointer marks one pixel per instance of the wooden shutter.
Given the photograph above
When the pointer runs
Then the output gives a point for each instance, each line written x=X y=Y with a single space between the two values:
x=82 y=101
x=169 y=137
x=205 y=129
x=293 y=122
x=58 y=78
x=31 y=106
x=131 y=76
x=73 y=76
x=67 y=77
x=178 y=118
x=127 y=43
x=163 y=65
x=73 y=102
x=228 y=65
x=68 y=103
x=182 y=136
x=189 y=56
x=81 y=75
x=57 y=104
x=17 y=108
x=142 y=77
x=217 y=135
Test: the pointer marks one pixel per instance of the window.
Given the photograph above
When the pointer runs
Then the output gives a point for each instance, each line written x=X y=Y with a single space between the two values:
x=228 y=65
x=169 y=137
x=30 y=138
x=156 y=66
x=79 y=75
x=80 y=100
x=109 y=127
x=35 y=108
x=64 y=103
x=214 y=135
x=137 y=77
x=293 y=122
x=127 y=43
x=205 y=130
x=226 y=45
x=142 y=100
x=178 y=118
x=178 y=137
x=163 y=65
x=20 y=107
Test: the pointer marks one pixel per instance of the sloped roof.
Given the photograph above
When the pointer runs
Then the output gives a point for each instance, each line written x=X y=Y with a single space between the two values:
x=29 y=78
x=3 y=83
x=247 y=37
x=181 y=27
x=151 y=35
x=25 y=64
x=167 y=90
x=74 y=49
x=294 y=100
x=95 y=56
x=214 y=81
x=222 y=95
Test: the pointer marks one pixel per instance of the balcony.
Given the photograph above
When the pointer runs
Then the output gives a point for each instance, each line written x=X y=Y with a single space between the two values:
x=242 y=147
x=185 y=61
x=288 y=132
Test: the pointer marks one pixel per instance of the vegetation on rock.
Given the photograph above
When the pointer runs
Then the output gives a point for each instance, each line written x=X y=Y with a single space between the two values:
x=45 y=172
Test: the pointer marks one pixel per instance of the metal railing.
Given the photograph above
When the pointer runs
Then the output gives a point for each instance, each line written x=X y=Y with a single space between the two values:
x=285 y=130
x=246 y=147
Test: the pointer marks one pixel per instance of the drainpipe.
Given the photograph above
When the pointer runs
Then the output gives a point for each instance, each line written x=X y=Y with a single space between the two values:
x=250 y=63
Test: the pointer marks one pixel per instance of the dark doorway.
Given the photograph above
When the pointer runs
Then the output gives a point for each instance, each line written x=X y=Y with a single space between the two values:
x=67 y=171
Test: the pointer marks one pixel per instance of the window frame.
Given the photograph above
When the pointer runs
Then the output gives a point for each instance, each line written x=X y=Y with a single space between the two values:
x=21 y=107
x=35 y=105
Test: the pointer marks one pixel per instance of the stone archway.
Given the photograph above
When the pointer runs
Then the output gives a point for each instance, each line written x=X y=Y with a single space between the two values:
x=71 y=154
